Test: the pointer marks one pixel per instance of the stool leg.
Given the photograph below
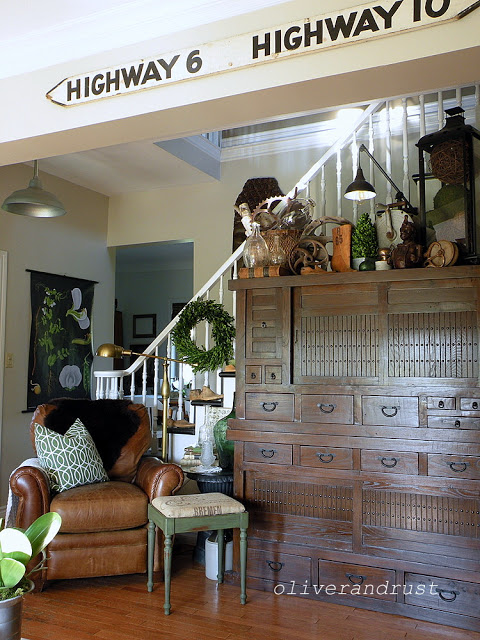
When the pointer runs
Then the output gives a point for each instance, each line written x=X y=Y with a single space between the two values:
x=150 y=550
x=167 y=561
x=243 y=565
x=221 y=555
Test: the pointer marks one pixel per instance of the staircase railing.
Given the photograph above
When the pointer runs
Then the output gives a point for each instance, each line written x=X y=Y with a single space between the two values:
x=390 y=121
x=111 y=384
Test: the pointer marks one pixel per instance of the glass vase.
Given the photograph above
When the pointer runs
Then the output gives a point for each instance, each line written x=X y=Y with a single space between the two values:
x=278 y=255
x=224 y=447
x=255 y=251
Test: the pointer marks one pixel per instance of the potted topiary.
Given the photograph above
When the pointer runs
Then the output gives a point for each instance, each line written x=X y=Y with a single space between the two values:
x=17 y=548
x=364 y=243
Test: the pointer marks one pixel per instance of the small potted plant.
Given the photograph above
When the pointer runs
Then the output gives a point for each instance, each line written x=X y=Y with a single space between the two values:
x=364 y=243
x=17 y=548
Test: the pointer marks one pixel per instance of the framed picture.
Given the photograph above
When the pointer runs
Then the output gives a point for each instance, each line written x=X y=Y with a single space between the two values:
x=145 y=325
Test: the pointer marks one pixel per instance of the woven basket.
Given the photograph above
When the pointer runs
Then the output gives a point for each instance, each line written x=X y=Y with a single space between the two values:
x=288 y=239
x=446 y=161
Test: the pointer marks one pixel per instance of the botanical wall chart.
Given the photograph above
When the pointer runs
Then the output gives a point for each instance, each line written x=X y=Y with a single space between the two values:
x=60 y=338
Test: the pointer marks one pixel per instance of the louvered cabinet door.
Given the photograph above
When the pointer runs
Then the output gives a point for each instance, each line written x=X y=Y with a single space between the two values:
x=264 y=324
x=336 y=334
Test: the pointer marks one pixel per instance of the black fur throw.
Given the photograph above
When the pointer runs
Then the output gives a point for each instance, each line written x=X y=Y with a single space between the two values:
x=109 y=422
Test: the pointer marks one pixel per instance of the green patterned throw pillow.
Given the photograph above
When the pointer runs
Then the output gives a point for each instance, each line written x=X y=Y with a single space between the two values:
x=70 y=460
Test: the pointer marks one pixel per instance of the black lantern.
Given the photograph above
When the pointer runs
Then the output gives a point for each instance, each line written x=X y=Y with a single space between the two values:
x=455 y=162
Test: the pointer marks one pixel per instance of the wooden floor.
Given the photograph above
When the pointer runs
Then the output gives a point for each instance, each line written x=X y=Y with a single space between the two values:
x=120 y=608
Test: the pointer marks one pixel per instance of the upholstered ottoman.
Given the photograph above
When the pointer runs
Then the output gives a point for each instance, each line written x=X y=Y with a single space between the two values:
x=198 y=512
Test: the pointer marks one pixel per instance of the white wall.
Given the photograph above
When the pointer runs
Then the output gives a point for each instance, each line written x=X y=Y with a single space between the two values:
x=202 y=213
x=73 y=245
x=151 y=292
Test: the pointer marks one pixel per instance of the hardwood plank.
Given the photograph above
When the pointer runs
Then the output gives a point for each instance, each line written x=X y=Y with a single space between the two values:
x=120 y=608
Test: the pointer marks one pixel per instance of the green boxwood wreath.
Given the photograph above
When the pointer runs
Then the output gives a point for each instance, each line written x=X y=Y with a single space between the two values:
x=223 y=332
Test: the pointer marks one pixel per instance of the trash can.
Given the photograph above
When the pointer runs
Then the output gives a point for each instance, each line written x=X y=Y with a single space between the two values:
x=211 y=556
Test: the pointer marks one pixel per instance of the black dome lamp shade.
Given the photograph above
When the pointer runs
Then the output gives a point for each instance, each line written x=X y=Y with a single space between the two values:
x=360 y=189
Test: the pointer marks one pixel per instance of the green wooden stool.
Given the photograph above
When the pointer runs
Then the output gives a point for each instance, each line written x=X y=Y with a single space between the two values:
x=198 y=512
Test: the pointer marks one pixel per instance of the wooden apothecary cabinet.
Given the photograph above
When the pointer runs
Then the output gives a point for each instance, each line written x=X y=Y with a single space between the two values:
x=358 y=438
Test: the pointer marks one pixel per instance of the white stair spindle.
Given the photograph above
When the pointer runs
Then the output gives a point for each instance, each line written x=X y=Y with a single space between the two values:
x=207 y=342
x=132 y=386
x=323 y=193
x=440 y=109
x=421 y=101
x=180 y=412
x=354 y=152
x=144 y=381
x=406 y=174
x=371 y=148
x=388 y=149
x=339 y=183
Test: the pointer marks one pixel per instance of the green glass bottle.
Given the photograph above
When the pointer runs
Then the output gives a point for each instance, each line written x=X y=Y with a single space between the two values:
x=224 y=447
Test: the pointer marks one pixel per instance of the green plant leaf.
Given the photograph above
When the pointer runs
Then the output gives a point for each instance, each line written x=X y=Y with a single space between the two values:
x=15 y=544
x=11 y=572
x=43 y=530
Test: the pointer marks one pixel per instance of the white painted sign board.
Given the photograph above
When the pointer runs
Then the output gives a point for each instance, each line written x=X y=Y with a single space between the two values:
x=306 y=36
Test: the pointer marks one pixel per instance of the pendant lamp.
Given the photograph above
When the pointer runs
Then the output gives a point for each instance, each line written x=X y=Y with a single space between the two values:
x=34 y=201
x=360 y=189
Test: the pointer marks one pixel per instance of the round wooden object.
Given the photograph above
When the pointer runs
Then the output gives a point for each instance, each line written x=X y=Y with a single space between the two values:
x=441 y=253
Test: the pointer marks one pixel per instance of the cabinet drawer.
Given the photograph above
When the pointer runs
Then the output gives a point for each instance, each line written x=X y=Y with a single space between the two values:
x=456 y=422
x=269 y=406
x=273 y=374
x=454 y=466
x=280 y=567
x=267 y=452
x=326 y=457
x=253 y=374
x=470 y=404
x=389 y=461
x=327 y=408
x=440 y=403
x=364 y=581
x=390 y=411
x=454 y=596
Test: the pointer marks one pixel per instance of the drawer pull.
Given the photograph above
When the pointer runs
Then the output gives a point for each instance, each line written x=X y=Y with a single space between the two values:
x=474 y=405
x=253 y=376
x=273 y=406
x=389 y=412
x=458 y=467
x=264 y=325
x=275 y=566
x=325 y=457
x=452 y=595
x=355 y=579
x=268 y=453
x=389 y=462
x=326 y=408
x=441 y=404
x=273 y=376
x=457 y=424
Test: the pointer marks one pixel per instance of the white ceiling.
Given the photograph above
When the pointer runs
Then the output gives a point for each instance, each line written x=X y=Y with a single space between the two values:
x=39 y=34
x=137 y=166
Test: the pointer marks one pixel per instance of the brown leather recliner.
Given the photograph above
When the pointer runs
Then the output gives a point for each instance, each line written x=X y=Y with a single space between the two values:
x=104 y=525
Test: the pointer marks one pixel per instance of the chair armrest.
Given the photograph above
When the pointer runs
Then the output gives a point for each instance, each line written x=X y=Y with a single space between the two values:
x=31 y=488
x=157 y=478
